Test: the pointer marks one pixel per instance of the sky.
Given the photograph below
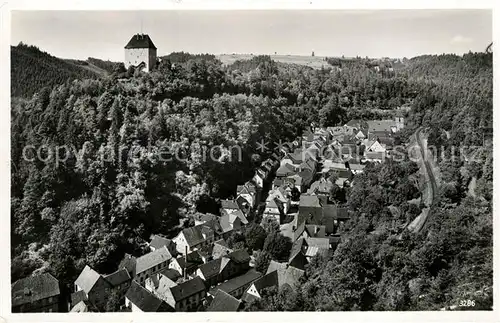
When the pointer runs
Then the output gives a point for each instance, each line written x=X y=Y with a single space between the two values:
x=375 y=33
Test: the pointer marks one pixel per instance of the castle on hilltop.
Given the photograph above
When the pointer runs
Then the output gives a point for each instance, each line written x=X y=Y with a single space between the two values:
x=140 y=52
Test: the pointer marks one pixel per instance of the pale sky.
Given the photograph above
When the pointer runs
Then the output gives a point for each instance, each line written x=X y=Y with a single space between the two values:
x=379 y=33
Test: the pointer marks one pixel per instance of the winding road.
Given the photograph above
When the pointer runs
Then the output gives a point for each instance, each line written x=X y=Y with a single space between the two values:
x=430 y=180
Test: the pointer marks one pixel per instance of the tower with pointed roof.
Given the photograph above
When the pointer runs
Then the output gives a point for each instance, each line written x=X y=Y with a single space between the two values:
x=140 y=52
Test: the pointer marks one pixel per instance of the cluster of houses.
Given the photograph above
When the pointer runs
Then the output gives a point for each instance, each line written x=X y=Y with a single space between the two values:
x=197 y=270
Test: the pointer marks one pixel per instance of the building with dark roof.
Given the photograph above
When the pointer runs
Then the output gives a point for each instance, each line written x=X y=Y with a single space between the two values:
x=95 y=287
x=223 y=302
x=158 y=241
x=187 y=264
x=237 y=285
x=254 y=291
x=199 y=236
x=151 y=263
x=186 y=296
x=139 y=299
x=140 y=51
x=38 y=293
x=286 y=274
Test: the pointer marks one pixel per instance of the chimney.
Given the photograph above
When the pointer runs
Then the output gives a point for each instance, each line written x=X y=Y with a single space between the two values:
x=185 y=261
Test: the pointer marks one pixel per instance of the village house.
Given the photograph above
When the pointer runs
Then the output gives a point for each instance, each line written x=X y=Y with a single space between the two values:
x=92 y=286
x=40 y=293
x=197 y=237
x=278 y=203
x=286 y=274
x=286 y=170
x=187 y=264
x=254 y=291
x=274 y=209
x=315 y=245
x=139 y=299
x=237 y=285
x=297 y=257
x=158 y=241
x=223 y=302
x=260 y=177
x=374 y=146
x=221 y=269
x=220 y=248
x=151 y=263
x=249 y=191
x=235 y=220
x=186 y=296
x=373 y=156
x=202 y=218
x=321 y=187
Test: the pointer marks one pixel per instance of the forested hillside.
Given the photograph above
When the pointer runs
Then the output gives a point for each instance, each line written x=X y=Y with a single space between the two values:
x=137 y=164
x=33 y=69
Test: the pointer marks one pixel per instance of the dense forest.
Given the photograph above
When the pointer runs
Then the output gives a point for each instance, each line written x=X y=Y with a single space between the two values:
x=48 y=71
x=134 y=161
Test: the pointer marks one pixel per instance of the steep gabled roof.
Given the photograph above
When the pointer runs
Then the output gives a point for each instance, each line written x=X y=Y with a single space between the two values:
x=193 y=260
x=128 y=262
x=223 y=302
x=220 y=249
x=152 y=259
x=286 y=170
x=34 y=288
x=229 y=205
x=87 y=279
x=322 y=243
x=159 y=241
x=77 y=297
x=297 y=248
x=239 y=256
x=193 y=235
x=286 y=274
x=309 y=201
x=266 y=281
x=118 y=277
x=187 y=288
x=211 y=268
x=237 y=282
x=140 y=41
x=143 y=299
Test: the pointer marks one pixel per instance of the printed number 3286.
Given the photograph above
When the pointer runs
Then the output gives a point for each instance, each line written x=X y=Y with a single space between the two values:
x=468 y=303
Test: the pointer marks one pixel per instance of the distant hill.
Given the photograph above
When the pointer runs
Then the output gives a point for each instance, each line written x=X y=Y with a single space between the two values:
x=315 y=62
x=32 y=69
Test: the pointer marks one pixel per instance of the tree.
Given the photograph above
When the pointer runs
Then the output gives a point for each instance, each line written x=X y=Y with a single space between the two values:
x=255 y=236
x=262 y=260
x=277 y=245
x=114 y=301
x=270 y=225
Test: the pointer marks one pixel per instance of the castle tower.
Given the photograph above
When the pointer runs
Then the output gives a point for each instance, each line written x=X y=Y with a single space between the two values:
x=140 y=50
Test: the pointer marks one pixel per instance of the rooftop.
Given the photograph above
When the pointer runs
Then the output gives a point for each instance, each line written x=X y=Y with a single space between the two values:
x=143 y=299
x=152 y=259
x=140 y=41
x=223 y=302
x=87 y=279
x=237 y=282
x=187 y=288
x=34 y=288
